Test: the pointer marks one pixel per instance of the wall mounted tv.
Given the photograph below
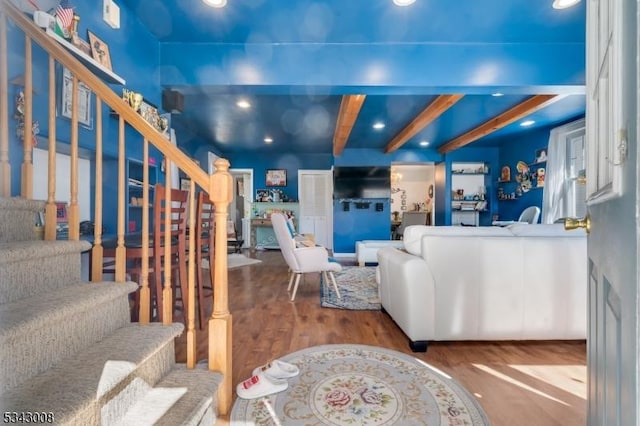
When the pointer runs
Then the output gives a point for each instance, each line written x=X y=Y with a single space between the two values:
x=361 y=182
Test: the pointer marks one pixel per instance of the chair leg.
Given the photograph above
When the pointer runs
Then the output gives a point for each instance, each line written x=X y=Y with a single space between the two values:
x=335 y=285
x=292 y=275
x=198 y=267
x=184 y=283
x=295 y=288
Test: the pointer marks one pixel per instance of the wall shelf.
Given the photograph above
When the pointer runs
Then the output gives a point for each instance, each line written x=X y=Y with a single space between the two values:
x=97 y=68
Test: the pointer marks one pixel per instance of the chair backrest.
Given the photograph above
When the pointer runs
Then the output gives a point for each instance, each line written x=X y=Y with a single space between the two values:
x=205 y=221
x=178 y=211
x=530 y=215
x=285 y=239
x=412 y=218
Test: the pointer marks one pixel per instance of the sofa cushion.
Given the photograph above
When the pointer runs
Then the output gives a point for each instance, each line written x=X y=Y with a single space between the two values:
x=546 y=230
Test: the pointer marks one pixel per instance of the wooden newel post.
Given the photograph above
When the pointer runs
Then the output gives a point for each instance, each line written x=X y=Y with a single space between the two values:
x=220 y=341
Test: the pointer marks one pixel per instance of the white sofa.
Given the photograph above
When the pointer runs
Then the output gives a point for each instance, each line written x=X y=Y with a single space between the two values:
x=521 y=282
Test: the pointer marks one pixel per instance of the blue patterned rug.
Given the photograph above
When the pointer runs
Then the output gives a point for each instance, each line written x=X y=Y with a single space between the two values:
x=362 y=385
x=358 y=289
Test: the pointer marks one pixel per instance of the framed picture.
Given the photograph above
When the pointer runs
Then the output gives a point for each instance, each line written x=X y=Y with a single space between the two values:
x=541 y=155
x=61 y=212
x=276 y=177
x=81 y=44
x=84 y=100
x=185 y=184
x=99 y=51
x=263 y=196
x=505 y=174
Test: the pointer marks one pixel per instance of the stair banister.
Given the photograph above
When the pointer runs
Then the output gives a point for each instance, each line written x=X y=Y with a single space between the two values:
x=191 y=303
x=26 y=183
x=220 y=324
x=97 y=250
x=145 y=294
x=218 y=185
x=74 y=208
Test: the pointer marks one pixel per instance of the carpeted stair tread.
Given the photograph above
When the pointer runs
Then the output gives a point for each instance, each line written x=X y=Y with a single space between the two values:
x=18 y=217
x=182 y=397
x=20 y=251
x=24 y=315
x=75 y=384
x=18 y=203
x=28 y=268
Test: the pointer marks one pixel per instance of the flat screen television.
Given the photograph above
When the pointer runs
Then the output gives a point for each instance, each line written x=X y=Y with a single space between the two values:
x=361 y=182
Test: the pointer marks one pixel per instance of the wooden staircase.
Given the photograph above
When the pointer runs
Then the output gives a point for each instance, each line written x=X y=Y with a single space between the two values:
x=68 y=348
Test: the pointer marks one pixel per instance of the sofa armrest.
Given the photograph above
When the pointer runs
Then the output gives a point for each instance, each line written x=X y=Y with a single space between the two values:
x=407 y=292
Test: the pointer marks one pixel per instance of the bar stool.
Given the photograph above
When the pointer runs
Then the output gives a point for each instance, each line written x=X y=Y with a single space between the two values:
x=178 y=252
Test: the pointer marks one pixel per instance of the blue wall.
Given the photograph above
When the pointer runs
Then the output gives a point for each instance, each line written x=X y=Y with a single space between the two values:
x=511 y=152
x=489 y=155
x=140 y=70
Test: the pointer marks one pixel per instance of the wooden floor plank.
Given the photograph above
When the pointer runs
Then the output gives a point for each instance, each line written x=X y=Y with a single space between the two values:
x=532 y=383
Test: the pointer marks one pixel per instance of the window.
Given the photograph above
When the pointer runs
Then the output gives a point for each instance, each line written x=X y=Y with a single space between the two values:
x=565 y=177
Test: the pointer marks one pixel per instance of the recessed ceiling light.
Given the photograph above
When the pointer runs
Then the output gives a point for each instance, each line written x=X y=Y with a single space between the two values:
x=403 y=2
x=424 y=143
x=497 y=94
x=243 y=103
x=378 y=125
x=215 y=3
x=563 y=4
x=268 y=140
x=527 y=123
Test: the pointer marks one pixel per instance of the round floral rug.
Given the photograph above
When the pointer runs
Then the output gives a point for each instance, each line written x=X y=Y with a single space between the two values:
x=362 y=385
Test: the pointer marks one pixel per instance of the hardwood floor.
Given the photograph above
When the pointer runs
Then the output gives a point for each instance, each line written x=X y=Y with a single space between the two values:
x=523 y=383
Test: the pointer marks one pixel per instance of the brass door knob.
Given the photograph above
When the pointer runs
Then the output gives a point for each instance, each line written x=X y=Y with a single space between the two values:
x=575 y=223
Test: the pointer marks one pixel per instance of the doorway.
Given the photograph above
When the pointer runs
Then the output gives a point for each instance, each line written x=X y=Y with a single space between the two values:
x=412 y=189
x=240 y=207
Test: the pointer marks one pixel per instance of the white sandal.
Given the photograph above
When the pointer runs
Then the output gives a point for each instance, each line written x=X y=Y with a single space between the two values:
x=278 y=370
x=260 y=385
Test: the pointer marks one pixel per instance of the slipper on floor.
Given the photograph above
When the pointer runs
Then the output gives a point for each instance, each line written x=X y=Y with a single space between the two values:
x=260 y=385
x=278 y=370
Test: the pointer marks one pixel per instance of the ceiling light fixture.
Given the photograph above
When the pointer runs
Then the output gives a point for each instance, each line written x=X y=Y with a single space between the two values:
x=527 y=123
x=424 y=143
x=564 y=4
x=268 y=140
x=378 y=125
x=403 y=2
x=215 y=3
x=243 y=103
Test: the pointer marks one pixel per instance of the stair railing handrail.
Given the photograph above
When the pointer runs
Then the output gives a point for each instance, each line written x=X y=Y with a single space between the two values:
x=108 y=96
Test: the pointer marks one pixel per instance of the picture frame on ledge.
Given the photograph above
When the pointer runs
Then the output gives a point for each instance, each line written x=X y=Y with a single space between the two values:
x=263 y=196
x=84 y=100
x=100 y=51
x=276 y=177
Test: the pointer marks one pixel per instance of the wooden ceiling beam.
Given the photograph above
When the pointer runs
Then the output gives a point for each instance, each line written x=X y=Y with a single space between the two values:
x=517 y=112
x=350 y=106
x=422 y=120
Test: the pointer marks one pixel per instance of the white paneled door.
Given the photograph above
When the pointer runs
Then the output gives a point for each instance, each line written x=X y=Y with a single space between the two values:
x=612 y=204
x=315 y=192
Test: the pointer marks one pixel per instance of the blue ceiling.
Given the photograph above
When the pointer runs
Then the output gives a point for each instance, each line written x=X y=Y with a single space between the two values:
x=535 y=49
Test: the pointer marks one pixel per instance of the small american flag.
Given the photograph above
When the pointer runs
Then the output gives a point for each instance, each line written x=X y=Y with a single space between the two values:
x=64 y=12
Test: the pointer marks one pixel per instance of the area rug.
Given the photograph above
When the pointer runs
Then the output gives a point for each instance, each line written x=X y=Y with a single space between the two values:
x=234 y=260
x=358 y=289
x=362 y=385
